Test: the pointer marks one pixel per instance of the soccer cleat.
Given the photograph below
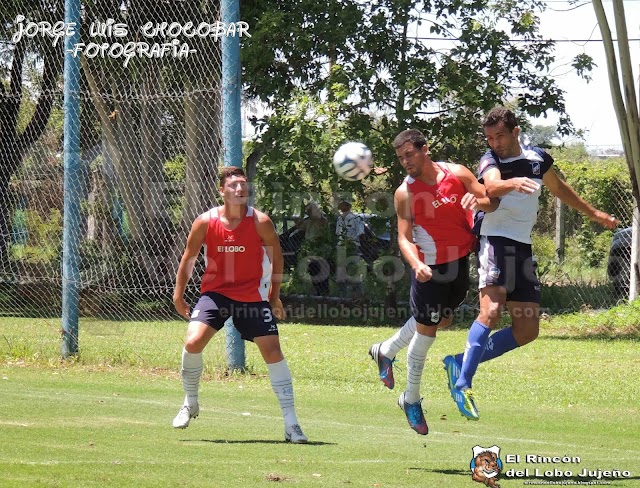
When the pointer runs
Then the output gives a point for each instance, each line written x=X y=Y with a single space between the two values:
x=294 y=434
x=453 y=371
x=385 y=366
x=185 y=414
x=465 y=403
x=415 y=415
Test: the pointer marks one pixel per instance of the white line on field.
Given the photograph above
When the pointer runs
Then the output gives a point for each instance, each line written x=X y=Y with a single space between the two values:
x=434 y=436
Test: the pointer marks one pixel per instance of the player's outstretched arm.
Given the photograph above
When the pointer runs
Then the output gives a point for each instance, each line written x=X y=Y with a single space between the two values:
x=269 y=237
x=568 y=195
x=185 y=269
x=402 y=202
x=497 y=187
x=476 y=198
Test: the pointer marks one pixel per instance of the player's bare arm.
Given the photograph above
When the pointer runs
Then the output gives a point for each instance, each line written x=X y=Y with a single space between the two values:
x=568 y=195
x=195 y=241
x=497 y=187
x=476 y=198
x=269 y=237
x=402 y=202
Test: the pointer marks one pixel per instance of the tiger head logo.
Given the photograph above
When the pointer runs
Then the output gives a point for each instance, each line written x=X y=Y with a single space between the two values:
x=486 y=465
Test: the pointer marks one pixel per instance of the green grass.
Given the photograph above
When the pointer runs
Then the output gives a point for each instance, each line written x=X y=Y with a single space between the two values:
x=105 y=418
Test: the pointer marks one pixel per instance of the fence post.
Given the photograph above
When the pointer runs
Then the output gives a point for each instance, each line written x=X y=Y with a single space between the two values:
x=560 y=232
x=72 y=182
x=232 y=143
x=635 y=248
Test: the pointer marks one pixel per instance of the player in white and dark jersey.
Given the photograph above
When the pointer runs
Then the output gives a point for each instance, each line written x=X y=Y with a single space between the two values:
x=506 y=266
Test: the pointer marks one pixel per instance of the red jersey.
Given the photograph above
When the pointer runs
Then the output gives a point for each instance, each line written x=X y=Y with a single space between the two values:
x=236 y=261
x=441 y=227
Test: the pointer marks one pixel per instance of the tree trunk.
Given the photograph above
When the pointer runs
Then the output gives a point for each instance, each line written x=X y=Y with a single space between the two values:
x=116 y=126
x=625 y=103
x=6 y=210
x=13 y=144
x=159 y=228
x=112 y=221
x=616 y=94
x=130 y=181
x=203 y=153
x=202 y=118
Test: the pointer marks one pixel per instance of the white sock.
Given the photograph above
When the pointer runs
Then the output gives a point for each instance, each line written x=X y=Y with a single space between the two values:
x=282 y=385
x=399 y=340
x=191 y=372
x=416 y=356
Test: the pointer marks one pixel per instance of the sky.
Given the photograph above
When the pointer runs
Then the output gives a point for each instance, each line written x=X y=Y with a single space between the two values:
x=588 y=104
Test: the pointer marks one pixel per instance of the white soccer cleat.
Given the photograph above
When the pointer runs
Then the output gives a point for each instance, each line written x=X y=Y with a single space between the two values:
x=185 y=415
x=294 y=434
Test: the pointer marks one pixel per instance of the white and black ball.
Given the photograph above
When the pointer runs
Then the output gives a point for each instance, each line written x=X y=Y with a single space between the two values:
x=353 y=161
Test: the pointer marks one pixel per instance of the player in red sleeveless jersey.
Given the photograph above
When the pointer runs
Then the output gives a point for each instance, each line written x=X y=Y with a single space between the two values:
x=434 y=206
x=241 y=280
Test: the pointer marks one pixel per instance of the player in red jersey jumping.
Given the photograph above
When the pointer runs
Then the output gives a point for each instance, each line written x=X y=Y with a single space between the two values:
x=241 y=280
x=434 y=205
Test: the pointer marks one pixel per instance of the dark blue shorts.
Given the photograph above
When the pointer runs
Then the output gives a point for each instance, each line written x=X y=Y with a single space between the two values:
x=438 y=298
x=510 y=264
x=254 y=319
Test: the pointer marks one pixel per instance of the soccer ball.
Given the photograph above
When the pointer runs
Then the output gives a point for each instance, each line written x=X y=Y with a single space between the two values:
x=353 y=161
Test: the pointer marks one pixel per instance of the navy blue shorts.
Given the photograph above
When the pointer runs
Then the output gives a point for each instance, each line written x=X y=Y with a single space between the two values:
x=254 y=319
x=510 y=264
x=438 y=298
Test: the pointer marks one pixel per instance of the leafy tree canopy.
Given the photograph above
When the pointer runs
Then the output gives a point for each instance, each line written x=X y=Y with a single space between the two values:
x=381 y=66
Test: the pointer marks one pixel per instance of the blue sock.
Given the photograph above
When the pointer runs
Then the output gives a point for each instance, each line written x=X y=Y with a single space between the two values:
x=476 y=343
x=498 y=343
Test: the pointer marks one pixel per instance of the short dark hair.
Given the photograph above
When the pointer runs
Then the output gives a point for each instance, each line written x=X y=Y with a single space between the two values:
x=413 y=136
x=500 y=114
x=228 y=172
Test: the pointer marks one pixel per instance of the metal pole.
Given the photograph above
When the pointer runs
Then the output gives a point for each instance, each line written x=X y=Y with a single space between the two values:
x=72 y=185
x=232 y=142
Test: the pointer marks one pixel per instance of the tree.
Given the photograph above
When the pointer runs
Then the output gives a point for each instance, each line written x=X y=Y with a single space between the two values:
x=381 y=64
x=15 y=141
x=142 y=126
x=380 y=59
x=623 y=90
x=625 y=102
x=542 y=135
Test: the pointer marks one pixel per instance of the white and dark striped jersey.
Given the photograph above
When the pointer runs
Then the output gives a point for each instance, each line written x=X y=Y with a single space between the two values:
x=518 y=212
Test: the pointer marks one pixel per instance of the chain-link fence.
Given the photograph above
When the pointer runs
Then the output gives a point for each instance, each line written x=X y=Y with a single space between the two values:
x=150 y=144
x=580 y=264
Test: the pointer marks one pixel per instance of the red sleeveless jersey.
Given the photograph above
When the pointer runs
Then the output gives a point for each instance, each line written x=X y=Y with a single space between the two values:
x=237 y=265
x=441 y=227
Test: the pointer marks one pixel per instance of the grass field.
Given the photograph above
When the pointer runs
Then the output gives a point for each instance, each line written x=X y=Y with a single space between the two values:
x=105 y=419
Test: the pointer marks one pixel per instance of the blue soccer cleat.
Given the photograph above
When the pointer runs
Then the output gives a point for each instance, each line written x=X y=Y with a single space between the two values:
x=385 y=366
x=453 y=371
x=415 y=415
x=464 y=402
x=463 y=398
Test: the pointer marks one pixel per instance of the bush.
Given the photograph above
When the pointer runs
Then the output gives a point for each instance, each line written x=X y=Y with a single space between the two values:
x=42 y=238
x=606 y=185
